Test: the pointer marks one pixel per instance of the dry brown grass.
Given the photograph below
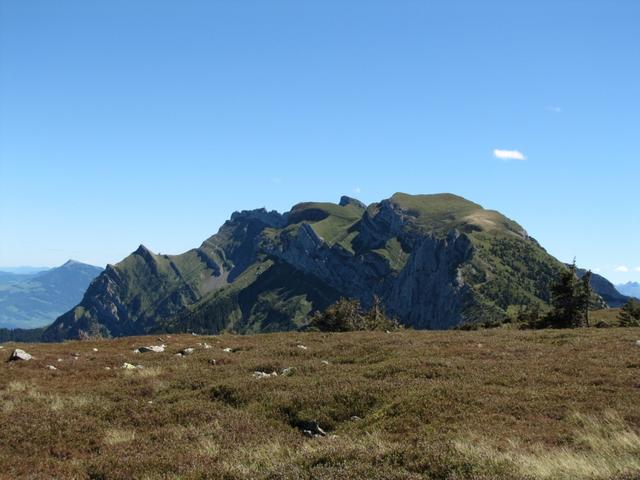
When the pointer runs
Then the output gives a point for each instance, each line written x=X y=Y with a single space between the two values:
x=432 y=405
x=607 y=317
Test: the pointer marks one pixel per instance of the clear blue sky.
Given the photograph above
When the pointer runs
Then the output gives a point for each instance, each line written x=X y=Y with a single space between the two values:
x=128 y=122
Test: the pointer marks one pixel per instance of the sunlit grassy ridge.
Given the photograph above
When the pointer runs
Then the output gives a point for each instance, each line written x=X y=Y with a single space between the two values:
x=406 y=405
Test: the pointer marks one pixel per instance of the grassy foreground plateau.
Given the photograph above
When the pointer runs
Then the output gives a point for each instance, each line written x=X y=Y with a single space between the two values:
x=548 y=404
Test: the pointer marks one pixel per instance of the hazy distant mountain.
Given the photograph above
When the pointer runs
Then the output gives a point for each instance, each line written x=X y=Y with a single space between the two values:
x=37 y=299
x=435 y=261
x=631 y=289
x=22 y=270
x=605 y=289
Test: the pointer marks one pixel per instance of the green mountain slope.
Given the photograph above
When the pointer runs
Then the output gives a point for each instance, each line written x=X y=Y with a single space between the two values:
x=434 y=260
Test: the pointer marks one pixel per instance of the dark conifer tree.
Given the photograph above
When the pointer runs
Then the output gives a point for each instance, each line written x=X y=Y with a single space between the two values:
x=629 y=315
x=585 y=296
x=566 y=300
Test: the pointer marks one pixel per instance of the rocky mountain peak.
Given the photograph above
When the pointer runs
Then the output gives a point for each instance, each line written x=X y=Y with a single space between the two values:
x=271 y=218
x=345 y=200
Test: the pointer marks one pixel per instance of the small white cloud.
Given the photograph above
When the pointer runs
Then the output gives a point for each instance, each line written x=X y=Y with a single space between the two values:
x=508 y=155
x=596 y=270
x=357 y=189
x=621 y=268
x=554 y=109
x=637 y=269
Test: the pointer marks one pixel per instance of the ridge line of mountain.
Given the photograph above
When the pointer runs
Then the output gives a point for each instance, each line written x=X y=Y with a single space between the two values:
x=434 y=261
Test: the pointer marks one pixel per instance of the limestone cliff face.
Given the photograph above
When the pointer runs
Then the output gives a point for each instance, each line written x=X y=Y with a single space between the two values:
x=427 y=292
x=430 y=292
x=435 y=261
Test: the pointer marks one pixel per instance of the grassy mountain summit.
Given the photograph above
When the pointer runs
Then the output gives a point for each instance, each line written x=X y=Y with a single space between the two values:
x=435 y=261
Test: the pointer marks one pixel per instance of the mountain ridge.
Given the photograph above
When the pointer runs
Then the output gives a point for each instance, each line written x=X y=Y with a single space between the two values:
x=435 y=261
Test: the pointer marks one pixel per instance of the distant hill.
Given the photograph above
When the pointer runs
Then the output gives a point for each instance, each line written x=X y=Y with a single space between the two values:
x=37 y=299
x=435 y=261
x=22 y=270
x=605 y=289
x=631 y=289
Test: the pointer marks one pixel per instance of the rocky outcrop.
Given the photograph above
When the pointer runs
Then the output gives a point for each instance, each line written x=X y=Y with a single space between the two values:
x=19 y=354
x=430 y=292
x=345 y=201
x=269 y=218
x=354 y=275
x=427 y=293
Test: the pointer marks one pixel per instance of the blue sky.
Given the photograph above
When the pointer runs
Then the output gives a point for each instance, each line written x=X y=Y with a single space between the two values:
x=128 y=122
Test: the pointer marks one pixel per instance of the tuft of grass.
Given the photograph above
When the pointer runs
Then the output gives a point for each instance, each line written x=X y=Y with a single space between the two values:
x=600 y=447
x=114 y=436
x=143 y=372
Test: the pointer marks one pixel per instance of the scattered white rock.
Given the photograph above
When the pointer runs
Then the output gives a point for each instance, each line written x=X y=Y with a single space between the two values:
x=287 y=372
x=51 y=367
x=319 y=430
x=60 y=360
x=150 y=348
x=130 y=366
x=194 y=334
x=1 y=347
x=94 y=349
x=355 y=418
x=107 y=368
x=637 y=343
x=179 y=355
x=19 y=354
x=211 y=361
x=258 y=374
x=315 y=431
x=205 y=345
x=187 y=351
x=302 y=347
x=228 y=350
x=325 y=362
